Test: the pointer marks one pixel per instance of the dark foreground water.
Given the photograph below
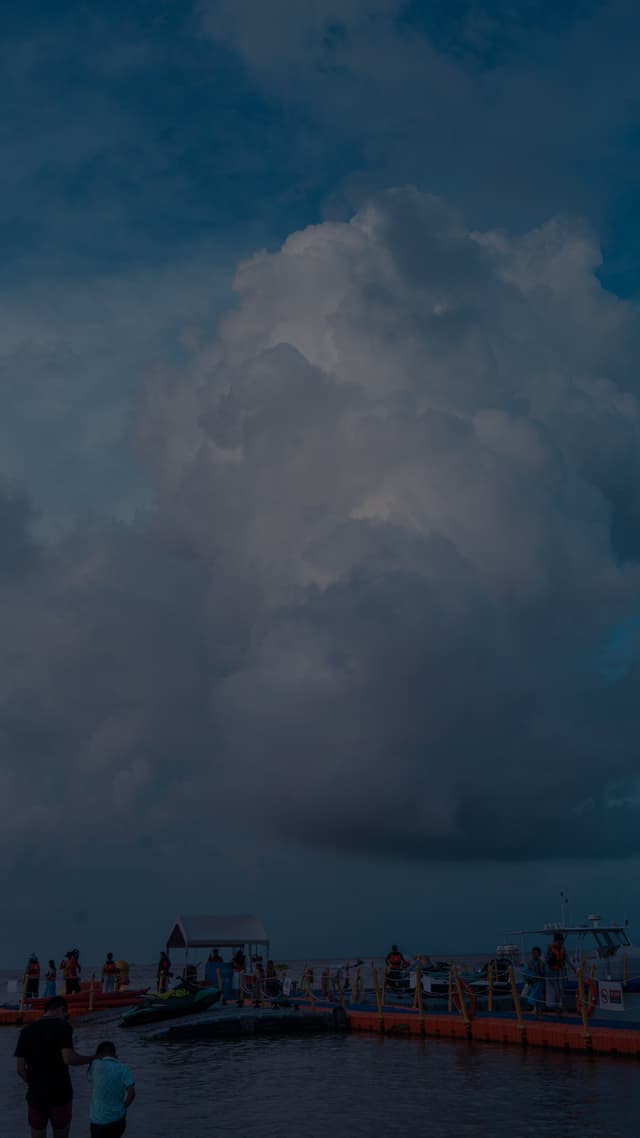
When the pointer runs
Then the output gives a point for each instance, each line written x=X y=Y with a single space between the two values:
x=349 y=1085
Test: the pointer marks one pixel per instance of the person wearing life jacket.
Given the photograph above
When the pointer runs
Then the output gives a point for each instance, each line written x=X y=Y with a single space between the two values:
x=72 y=972
x=214 y=957
x=534 y=975
x=272 y=982
x=109 y=972
x=50 y=980
x=396 y=965
x=33 y=976
x=164 y=972
x=556 y=973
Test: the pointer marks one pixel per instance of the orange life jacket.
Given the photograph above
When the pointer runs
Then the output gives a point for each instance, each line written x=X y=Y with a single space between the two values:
x=556 y=956
x=33 y=969
x=72 y=968
x=394 y=960
x=109 y=967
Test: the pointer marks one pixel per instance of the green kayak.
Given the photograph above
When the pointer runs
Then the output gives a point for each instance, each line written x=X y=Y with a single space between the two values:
x=185 y=1000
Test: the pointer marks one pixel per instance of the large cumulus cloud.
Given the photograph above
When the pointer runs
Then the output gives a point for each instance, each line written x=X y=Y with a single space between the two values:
x=395 y=539
x=410 y=463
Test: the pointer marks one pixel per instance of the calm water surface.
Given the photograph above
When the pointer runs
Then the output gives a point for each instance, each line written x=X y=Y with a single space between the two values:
x=344 y=1086
x=350 y=1085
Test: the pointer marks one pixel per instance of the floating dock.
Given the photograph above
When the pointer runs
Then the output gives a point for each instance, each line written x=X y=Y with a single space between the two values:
x=233 y=1022
x=79 y=1004
x=562 y=1033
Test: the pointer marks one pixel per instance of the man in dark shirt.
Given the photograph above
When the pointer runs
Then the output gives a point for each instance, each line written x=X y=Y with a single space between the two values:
x=43 y=1056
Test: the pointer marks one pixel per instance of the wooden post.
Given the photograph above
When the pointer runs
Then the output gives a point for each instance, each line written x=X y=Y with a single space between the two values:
x=92 y=984
x=384 y=984
x=341 y=994
x=356 y=994
x=490 y=987
x=582 y=1001
x=419 y=999
x=522 y=1027
x=379 y=1001
x=24 y=996
x=309 y=989
x=450 y=991
x=460 y=994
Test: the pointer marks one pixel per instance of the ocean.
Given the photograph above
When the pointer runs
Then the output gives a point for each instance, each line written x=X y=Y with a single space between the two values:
x=346 y=1086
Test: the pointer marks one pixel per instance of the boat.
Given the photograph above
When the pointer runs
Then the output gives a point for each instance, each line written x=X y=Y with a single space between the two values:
x=185 y=999
x=602 y=958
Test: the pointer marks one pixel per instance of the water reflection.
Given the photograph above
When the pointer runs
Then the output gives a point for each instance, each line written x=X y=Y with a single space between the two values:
x=351 y=1086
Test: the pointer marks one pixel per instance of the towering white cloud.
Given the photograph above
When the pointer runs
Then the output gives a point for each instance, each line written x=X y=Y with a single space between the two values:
x=409 y=464
x=396 y=529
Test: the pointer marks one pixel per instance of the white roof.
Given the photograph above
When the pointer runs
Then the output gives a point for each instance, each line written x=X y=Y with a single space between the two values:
x=212 y=932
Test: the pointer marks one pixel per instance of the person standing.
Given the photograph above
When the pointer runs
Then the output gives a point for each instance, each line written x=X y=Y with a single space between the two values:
x=72 y=972
x=43 y=1054
x=109 y=970
x=534 y=975
x=50 y=980
x=556 y=973
x=32 y=977
x=164 y=972
x=113 y=1092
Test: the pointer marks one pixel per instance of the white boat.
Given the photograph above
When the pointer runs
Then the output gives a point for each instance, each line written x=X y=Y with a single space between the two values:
x=605 y=957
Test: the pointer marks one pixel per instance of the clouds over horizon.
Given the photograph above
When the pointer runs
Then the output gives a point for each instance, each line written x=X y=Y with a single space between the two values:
x=397 y=505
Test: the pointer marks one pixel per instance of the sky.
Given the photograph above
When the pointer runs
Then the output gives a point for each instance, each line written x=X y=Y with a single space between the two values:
x=319 y=470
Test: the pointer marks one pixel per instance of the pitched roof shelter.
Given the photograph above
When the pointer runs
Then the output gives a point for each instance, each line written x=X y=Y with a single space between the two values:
x=217 y=932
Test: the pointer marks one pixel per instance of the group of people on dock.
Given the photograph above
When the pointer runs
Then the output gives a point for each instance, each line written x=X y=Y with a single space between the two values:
x=67 y=975
x=544 y=990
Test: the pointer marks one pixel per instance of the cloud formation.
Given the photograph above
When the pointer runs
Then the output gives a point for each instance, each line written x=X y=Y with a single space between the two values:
x=511 y=110
x=409 y=462
x=396 y=525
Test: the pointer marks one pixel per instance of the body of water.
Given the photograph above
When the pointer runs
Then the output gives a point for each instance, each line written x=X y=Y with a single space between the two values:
x=345 y=1086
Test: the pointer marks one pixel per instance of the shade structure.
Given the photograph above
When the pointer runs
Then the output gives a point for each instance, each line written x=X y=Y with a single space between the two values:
x=217 y=932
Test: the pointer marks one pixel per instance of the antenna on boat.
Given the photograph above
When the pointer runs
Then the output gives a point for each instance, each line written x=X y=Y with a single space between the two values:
x=564 y=906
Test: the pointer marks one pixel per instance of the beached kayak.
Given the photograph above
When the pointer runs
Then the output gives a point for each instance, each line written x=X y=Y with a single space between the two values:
x=185 y=1000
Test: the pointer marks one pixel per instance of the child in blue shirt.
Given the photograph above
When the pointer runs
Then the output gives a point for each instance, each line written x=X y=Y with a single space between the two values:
x=113 y=1091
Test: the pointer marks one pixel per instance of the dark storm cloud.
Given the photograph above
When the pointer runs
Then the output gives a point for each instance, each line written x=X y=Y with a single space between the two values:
x=18 y=549
x=513 y=111
x=397 y=495
x=397 y=461
x=374 y=606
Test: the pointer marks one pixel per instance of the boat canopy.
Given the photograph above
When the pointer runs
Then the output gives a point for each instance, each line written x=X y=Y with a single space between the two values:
x=217 y=932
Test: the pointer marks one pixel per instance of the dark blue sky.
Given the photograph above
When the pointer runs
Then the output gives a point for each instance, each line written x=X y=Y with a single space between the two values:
x=345 y=585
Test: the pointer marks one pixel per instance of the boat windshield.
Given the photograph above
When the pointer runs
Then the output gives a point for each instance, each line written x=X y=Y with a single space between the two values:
x=609 y=941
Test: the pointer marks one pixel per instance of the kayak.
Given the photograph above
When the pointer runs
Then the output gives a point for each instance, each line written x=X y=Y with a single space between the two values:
x=185 y=1000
